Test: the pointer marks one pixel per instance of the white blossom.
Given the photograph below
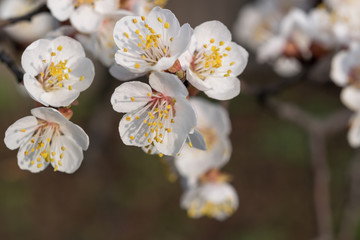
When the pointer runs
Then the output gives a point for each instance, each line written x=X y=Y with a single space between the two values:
x=85 y=15
x=158 y=115
x=216 y=200
x=46 y=138
x=213 y=123
x=345 y=72
x=149 y=43
x=213 y=61
x=56 y=71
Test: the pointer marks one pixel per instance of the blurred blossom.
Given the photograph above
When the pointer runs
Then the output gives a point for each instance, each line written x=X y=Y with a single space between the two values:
x=345 y=72
x=101 y=43
x=293 y=42
x=157 y=115
x=85 y=15
x=354 y=131
x=56 y=71
x=46 y=138
x=26 y=31
x=259 y=21
x=216 y=200
x=213 y=61
x=148 y=43
x=214 y=124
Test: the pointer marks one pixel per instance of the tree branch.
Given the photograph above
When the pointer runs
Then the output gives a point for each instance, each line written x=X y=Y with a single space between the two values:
x=9 y=62
x=350 y=218
x=26 y=17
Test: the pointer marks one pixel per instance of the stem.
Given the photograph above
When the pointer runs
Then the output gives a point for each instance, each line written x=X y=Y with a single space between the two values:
x=350 y=218
x=5 y=58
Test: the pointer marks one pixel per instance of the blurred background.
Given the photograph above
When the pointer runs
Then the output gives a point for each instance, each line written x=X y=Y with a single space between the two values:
x=121 y=193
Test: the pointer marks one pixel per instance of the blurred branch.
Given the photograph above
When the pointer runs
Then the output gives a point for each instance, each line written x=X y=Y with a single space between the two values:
x=318 y=130
x=350 y=218
x=9 y=62
x=26 y=17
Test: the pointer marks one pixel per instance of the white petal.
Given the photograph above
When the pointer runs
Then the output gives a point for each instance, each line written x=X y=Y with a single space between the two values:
x=24 y=161
x=196 y=81
x=106 y=6
x=168 y=84
x=211 y=30
x=350 y=97
x=59 y=98
x=14 y=137
x=341 y=66
x=211 y=115
x=83 y=73
x=31 y=59
x=185 y=121
x=166 y=16
x=76 y=133
x=354 y=131
x=135 y=128
x=181 y=40
x=130 y=96
x=85 y=19
x=224 y=88
x=197 y=140
x=61 y=9
x=71 y=49
x=122 y=74
x=71 y=157
x=49 y=115
x=34 y=88
x=237 y=55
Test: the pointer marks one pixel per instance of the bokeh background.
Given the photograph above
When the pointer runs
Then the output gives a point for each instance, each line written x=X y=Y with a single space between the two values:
x=121 y=193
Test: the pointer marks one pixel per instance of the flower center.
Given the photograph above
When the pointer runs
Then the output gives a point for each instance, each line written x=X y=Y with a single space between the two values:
x=209 y=60
x=152 y=46
x=78 y=3
x=40 y=144
x=157 y=116
x=55 y=73
x=210 y=137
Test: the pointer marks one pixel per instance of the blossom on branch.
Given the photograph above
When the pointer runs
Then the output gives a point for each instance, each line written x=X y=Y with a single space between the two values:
x=151 y=43
x=56 y=71
x=84 y=15
x=158 y=115
x=216 y=200
x=213 y=61
x=214 y=124
x=345 y=72
x=47 y=138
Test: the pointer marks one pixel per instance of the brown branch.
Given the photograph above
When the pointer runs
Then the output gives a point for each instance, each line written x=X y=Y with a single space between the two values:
x=10 y=63
x=26 y=17
x=318 y=130
x=350 y=218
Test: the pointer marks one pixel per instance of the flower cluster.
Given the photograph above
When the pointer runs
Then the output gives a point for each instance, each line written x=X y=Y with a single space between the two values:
x=163 y=118
x=301 y=36
x=135 y=38
x=56 y=71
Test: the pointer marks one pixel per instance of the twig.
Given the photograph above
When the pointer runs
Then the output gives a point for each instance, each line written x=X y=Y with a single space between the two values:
x=26 y=17
x=317 y=130
x=350 y=218
x=5 y=58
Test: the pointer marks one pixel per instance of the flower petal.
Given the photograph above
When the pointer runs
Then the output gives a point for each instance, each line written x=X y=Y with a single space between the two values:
x=122 y=74
x=29 y=161
x=130 y=96
x=31 y=59
x=69 y=154
x=85 y=19
x=82 y=73
x=61 y=10
x=224 y=88
x=19 y=131
x=350 y=97
x=211 y=30
x=168 y=84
